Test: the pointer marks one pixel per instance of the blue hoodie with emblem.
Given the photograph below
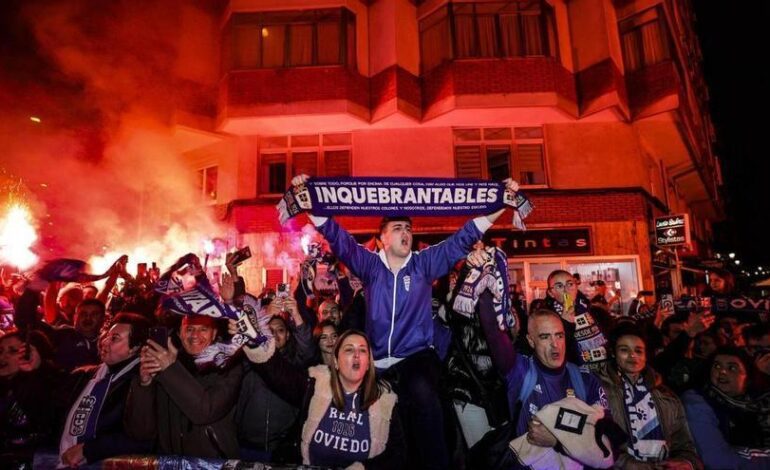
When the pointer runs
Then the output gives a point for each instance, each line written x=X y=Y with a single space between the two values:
x=398 y=304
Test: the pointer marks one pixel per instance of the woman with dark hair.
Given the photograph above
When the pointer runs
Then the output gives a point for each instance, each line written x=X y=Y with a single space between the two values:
x=27 y=379
x=349 y=417
x=726 y=424
x=325 y=335
x=651 y=415
x=721 y=283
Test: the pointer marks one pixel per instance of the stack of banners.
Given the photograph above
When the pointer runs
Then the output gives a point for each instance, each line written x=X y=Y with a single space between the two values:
x=745 y=309
x=252 y=326
x=401 y=197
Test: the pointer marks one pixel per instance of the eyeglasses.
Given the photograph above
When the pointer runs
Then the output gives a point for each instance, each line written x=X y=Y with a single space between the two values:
x=562 y=285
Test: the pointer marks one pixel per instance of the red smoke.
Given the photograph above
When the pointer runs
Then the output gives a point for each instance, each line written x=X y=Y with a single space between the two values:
x=102 y=167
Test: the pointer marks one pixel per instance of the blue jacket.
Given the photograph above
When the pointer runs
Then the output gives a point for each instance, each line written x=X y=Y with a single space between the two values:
x=398 y=305
x=712 y=446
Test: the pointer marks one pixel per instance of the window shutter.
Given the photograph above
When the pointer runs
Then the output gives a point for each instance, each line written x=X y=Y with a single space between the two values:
x=529 y=163
x=305 y=163
x=337 y=162
x=468 y=161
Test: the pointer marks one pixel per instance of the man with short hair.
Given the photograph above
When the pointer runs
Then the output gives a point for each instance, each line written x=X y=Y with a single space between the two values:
x=93 y=429
x=545 y=377
x=587 y=341
x=77 y=345
x=329 y=310
x=398 y=291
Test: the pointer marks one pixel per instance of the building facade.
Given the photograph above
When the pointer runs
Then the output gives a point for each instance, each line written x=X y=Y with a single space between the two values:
x=597 y=107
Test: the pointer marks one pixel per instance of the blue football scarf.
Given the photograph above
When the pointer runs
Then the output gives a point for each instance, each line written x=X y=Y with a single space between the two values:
x=401 y=196
x=647 y=442
x=199 y=300
x=492 y=275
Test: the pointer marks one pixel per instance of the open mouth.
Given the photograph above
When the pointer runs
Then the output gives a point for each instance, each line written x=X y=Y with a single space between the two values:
x=356 y=366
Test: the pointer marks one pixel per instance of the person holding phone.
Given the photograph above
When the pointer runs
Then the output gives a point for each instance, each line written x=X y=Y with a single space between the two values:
x=193 y=408
x=586 y=341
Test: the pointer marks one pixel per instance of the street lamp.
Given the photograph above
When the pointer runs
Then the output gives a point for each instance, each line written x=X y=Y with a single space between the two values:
x=737 y=262
x=731 y=255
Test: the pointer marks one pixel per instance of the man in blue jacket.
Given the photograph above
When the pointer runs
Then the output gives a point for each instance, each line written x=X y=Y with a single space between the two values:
x=397 y=287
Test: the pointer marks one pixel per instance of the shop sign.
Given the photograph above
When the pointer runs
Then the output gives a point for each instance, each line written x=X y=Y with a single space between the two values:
x=672 y=230
x=576 y=241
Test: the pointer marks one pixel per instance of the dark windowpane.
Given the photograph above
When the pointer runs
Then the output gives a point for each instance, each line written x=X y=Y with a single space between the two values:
x=304 y=140
x=467 y=135
x=511 y=35
x=497 y=133
x=487 y=36
x=246 y=46
x=273 y=45
x=529 y=132
x=644 y=38
x=337 y=139
x=498 y=162
x=464 y=36
x=529 y=164
x=275 y=142
x=212 y=174
x=533 y=35
x=200 y=180
x=329 y=43
x=435 y=40
x=301 y=44
x=272 y=174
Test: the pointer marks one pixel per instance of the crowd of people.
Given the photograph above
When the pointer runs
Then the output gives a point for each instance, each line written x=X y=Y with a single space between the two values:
x=413 y=359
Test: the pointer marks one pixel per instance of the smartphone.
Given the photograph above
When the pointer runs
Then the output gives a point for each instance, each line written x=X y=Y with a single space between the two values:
x=159 y=334
x=568 y=301
x=141 y=270
x=281 y=290
x=238 y=257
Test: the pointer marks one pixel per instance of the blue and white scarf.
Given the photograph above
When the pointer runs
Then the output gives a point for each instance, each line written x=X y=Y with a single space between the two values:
x=84 y=416
x=647 y=442
x=252 y=327
x=492 y=275
x=401 y=196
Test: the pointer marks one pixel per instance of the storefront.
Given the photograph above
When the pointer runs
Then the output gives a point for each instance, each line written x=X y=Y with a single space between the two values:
x=534 y=254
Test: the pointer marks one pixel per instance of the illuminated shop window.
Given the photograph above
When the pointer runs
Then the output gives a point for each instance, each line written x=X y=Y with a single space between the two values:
x=283 y=157
x=645 y=39
x=497 y=153
x=290 y=39
x=498 y=29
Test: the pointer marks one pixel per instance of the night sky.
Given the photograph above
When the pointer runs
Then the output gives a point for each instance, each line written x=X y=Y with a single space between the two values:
x=732 y=39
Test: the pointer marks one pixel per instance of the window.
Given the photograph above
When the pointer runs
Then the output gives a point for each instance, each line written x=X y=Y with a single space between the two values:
x=291 y=39
x=645 y=40
x=207 y=183
x=282 y=157
x=473 y=30
x=497 y=153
